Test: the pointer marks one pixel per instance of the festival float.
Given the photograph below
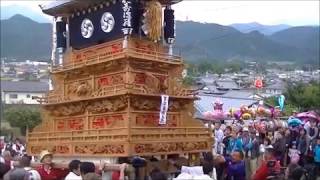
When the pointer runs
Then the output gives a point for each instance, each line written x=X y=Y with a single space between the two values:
x=116 y=85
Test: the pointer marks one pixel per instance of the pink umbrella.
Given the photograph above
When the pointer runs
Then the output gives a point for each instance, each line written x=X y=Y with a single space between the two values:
x=308 y=115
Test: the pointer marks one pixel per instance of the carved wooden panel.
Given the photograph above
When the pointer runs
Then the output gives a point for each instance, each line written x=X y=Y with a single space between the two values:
x=109 y=80
x=105 y=49
x=78 y=89
x=151 y=83
x=152 y=120
x=106 y=121
x=70 y=109
x=99 y=149
x=56 y=149
x=69 y=124
x=167 y=147
x=107 y=105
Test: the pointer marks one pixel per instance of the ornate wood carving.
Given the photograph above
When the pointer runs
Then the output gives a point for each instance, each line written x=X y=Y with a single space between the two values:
x=67 y=109
x=79 y=89
x=89 y=110
x=153 y=84
x=166 y=147
x=145 y=104
x=152 y=120
x=106 y=105
x=110 y=80
x=105 y=121
x=67 y=124
x=100 y=149
x=59 y=149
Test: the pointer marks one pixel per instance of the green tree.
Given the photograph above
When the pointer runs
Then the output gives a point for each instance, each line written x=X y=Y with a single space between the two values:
x=306 y=97
x=288 y=108
x=23 y=118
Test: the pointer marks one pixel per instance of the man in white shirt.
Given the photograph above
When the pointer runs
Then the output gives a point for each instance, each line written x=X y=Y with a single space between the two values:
x=18 y=147
x=74 y=168
x=219 y=135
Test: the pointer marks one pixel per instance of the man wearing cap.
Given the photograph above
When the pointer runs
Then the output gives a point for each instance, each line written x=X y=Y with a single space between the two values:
x=47 y=171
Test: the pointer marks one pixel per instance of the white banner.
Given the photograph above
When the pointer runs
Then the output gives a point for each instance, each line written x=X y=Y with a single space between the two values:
x=164 y=109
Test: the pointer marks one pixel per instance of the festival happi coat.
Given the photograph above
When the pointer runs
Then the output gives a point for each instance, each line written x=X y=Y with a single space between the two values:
x=117 y=87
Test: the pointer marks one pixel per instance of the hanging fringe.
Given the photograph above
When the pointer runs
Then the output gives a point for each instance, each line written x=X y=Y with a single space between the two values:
x=154 y=20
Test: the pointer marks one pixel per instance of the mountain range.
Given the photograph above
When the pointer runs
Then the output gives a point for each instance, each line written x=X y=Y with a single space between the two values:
x=23 y=38
x=263 y=29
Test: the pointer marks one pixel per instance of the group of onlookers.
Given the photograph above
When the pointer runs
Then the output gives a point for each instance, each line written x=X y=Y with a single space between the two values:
x=278 y=153
x=21 y=168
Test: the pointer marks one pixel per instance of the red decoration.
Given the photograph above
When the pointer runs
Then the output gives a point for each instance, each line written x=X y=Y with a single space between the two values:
x=258 y=83
x=70 y=124
x=101 y=122
x=140 y=78
x=76 y=124
x=115 y=48
x=104 y=81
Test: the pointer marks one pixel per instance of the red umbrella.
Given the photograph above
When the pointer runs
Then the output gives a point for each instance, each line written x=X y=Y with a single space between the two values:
x=308 y=115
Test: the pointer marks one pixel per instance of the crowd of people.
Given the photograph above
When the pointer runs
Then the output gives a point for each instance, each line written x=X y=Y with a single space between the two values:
x=242 y=151
x=284 y=152
x=21 y=168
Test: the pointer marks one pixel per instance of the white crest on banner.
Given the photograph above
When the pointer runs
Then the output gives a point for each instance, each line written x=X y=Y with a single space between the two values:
x=163 y=109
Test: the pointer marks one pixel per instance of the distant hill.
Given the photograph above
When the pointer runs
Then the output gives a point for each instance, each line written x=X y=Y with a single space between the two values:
x=212 y=41
x=306 y=37
x=11 y=10
x=23 y=38
x=264 y=29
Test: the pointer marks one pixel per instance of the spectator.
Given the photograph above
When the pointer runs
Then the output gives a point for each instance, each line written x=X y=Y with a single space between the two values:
x=303 y=144
x=25 y=162
x=218 y=134
x=262 y=149
x=293 y=151
x=74 y=168
x=2 y=144
x=46 y=170
x=235 y=165
x=156 y=174
x=312 y=132
x=7 y=160
x=17 y=173
x=247 y=147
x=3 y=170
x=18 y=148
x=269 y=167
x=254 y=155
x=226 y=139
x=317 y=155
x=279 y=146
x=235 y=143
x=87 y=171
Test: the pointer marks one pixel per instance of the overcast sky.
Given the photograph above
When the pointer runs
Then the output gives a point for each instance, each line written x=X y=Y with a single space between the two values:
x=228 y=12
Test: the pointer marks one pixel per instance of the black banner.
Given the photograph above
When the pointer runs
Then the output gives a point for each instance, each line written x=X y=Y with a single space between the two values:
x=77 y=41
x=61 y=34
x=169 y=29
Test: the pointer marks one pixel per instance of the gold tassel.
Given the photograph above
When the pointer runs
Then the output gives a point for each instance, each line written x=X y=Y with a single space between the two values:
x=154 y=20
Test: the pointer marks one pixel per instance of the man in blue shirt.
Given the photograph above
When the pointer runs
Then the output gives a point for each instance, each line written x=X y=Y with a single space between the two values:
x=235 y=165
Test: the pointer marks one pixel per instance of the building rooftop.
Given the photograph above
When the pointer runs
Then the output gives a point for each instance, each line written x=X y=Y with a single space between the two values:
x=24 y=86
x=205 y=103
x=227 y=84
